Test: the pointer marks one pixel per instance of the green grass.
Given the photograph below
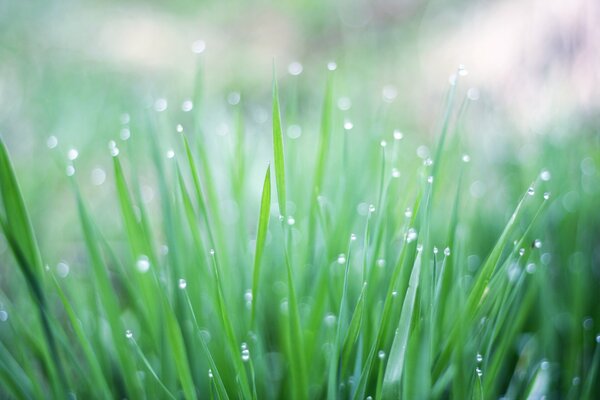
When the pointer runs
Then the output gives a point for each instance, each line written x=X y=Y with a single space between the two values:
x=358 y=283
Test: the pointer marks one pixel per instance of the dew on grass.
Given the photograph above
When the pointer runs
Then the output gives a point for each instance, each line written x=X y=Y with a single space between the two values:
x=352 y=237
x=329 y=319
x=479 y=358
x=381 y=354
x=210 y=374
x=419 y=247
x=447 y=251
x=3 y=315
x=383 y=143
x=369 y=398
x=344 y=103
x=462 y=70
x=452 y=79
x=546 y=195
x=598 y=338
x=170 y=153
x=389 y=93
x=395 y=173
x=428 y=162
x=348 y=125
x=466 y=158
x=245 y=352
x=435 y=250
x=211 y=252
x=394 y=293
x=114 y=151
x=546 y=257
x=142 y=264
x=160 y=104
x=371 y=208
x=398 y=135
x=233 y=98
x=291 y=221
x=187 y=105
x=576 y=381
x=588 y=324
x=129 y=334
x=411 y=235
x=531 y=191
x=521 y=251
x=98 y=176
x=537 y=243
x=544 y=365
x=473 y=94
x=179 y=128
x=331 y=65
x=341 y=258
x=283 y=307
x=530 y=268
x=423 y=152
x=70 y=170
x=125 y=133
x=62 y=269
x=545 y=175
x=380 y=262
x=478 y=371
x=248 y=295
x=294 y=131
x=198 y=46
x=295 y=68
x=430 y=179
x=52 y=142
x=124 y=118
x=408 y=212
x=182 y=283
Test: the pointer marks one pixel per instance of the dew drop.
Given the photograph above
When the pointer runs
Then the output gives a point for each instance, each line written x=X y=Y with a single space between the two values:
x=588 y=324
x=98 y=176
x=142 y=264
x=70 y=170
x=62 y=269
x=179 y=128
x=452 y=79
x=430 y=179
x=537 y=243
x=114 y=151
x=160 y=105
x=233 y=98
x=198 y=46
x=73 y=154
x=394 y=293
x=182 y=283
x=466 y=158
x=545 y=175
x=248 y=295
x=447 y=251
x=187 y=105
x=332 y=66
x=389 y=93
x=380 y=262
x=435 y=250
x=245 y=354
x=531 y=191
x=398 y=135
x=295 y=68
x=383 y=143
x=478 y=371
x=576 y=381
x=344 y=103
x=170 y=153
x=381 y=354
x=428 y=162
x=211 y=252
x=348 y=125
x=210 y=374
x=462 y=70
x=371 y=208
x=473 y=94
x=294 y=131
x=521 y=251
x=419 y=247
x=291 y=221
x=479 y=358
x=124 y=118
x=52 y=142
x=597 y=338
x=408 y=212
x=341 y=258
x=352 y=237
x=329 y=319
x=411 y=235
x=530 y=268
x=129 y=334
x=546 y=195
x=395 y=173
x=3 y=315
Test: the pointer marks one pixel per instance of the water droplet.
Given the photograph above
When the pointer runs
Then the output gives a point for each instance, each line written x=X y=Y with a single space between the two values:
x=531 y=191
x=344 y=103
x=545 y=365
x=408 y=212
x=348 y=125
x=479 y=358
x=427 y=162
x=419 y=247
x=198 y=46
x=435 y=250
x=398 y=135
x=352 y=237
x=473 y=94
x=394 y=293
x=447 y=251
x=546 y=195
x=294 y=131
x=233 y=98
x=521 y=251
x=588 y=324
x=129 y=334
x=98 y=176
x=179 y=128
x=380 y=262
x=598 y=339
x=383 y=143
x=211 y=252
x=182 y=283
x=114 y=151
x=466 y=158
x=248 y=295
x=283 y=307
x=462 y=70
x=381 y=354
x=576 y=381
x=291 y=221
x=423 y=152
x=295 y=68
x=52 y=142
x=329 y=319
x=245 y=354
x=537 y=243
x=411 y=235
x=395 y=173
x=170 y=153
x=210 y=374
x=478 y=371
x=142 y=264
x=160 y=105
x=3 y=316
x=72 y=154
x=341 y=258
x=332 y=66
x=371 y=208
x=545 y=175
x=70 y=170
x=452 y=79
x=62 y=269
x=430 y=179
x=187 y=105
x=369 y=398
x=389 y=93
x=530 y=268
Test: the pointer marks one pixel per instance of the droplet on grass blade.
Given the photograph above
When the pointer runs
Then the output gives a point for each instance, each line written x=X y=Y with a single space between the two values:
x=291 y=221
x=294 y=131
x=72 y=154
x=479 y=358
x=348 y=125
x=125 y=133
x=182 y=283
x=545 y=175
x=198 y=46
x=546 y=195
x=3 y=316
x=295 y=68
x=466 y=158
x=395 y=173
x=352 y=237
x=142 y=264
x=411 y=235
x=70 y=170
x=398 y=134
x=187 y=105
x=170 y=153
x=447 y=251
x=344 y=103
x=62 y=269
x=462 y=70
x=408 y=212
x=381 y=354
x=332 y=66
x=52 y=142
x=478 y=371
x=380 y=262
x=98 y=176
x=329 y=319
x=531 y=191
x=129 y=334
x=341 y=258
x=210 y=374
x=537 y=243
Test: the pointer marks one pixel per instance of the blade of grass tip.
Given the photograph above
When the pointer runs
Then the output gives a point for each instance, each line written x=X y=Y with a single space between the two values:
x=395 y=361
x=278 y=149
x=353 y=331
x=261 y=236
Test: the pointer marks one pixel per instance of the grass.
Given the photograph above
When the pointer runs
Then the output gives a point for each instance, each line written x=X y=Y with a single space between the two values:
x=358 y=283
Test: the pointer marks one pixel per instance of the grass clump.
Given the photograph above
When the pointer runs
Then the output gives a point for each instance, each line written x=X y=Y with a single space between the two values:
x=361 y=282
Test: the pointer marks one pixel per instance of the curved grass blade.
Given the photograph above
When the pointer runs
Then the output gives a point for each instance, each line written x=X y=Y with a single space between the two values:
x=278 y=149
